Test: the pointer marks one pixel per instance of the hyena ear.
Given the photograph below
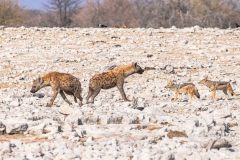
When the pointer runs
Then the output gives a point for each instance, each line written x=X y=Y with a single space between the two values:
x=40 y=80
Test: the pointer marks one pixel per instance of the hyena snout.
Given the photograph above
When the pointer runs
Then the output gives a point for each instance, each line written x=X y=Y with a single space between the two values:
x=140 y=71
x=33 y=90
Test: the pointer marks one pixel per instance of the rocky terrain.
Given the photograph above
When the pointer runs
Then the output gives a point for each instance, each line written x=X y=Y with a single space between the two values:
x=151 y=126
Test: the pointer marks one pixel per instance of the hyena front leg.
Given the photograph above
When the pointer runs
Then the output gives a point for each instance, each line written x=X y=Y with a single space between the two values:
x=90 y=93
x=64 y=97
x=121 y=90
x=55 y=93
x=94 y=94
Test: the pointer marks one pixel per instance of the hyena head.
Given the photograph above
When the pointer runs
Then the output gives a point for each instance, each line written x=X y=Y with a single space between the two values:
x=170 y=84
x=203 y=81
x=137 y=68
x=37 y=84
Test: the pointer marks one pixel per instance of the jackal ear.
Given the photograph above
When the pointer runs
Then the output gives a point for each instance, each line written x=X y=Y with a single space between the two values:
x=206 y=77
x=169 y=81
x=135 y=64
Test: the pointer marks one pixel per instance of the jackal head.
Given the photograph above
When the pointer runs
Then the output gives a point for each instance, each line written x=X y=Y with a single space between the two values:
x=170 y=84
x=203 y=81
x=37 y=84
x=138 y=69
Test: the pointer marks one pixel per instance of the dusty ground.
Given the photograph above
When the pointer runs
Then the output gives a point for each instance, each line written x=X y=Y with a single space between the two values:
x=151 y=126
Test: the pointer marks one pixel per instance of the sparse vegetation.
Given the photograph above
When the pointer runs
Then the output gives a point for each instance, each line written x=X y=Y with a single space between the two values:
x=125 y=13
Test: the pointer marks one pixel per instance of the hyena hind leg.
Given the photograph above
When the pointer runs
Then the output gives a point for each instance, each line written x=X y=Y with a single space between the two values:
x=75 y=99
x=94 y=94
x=64 y=97
x=78 y=95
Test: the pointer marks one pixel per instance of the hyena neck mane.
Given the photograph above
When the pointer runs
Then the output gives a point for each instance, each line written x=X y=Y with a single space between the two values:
x=46 y=81
x=125 y=70
x=127 y=73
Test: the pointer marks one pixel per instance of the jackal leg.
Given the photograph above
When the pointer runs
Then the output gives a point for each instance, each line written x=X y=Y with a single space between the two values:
x=190 y=95
x=64 y=97
x=121 y=90
x=225 y=91
x=230 y=90
x=55 y=93
x=213 y=94
x=176 y=95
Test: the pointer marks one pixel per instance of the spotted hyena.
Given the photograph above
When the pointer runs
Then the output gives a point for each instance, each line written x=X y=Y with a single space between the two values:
x=112 y=78
x=60 y=83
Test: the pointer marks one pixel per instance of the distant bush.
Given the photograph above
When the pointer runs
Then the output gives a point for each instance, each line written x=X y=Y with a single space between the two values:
x=185 y=13
x=125 y=13
x=113 y=13
x=10 y=13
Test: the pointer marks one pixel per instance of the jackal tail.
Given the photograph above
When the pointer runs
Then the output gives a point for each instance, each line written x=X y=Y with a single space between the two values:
x=196 y=93
x=230 y=89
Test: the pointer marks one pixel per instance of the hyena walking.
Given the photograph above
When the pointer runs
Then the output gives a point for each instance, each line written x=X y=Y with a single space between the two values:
x=112 y=78
x=60 y=83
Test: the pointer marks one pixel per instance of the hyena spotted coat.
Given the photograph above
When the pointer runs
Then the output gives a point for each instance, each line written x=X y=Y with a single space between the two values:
x=60 y=83
x=110 y=79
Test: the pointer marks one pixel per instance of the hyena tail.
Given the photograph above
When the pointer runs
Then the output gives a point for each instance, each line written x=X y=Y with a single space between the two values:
x=197 y=93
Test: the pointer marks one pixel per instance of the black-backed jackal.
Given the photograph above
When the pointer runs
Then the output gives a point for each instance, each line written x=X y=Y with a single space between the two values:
x=217 y=85
x=185 y=88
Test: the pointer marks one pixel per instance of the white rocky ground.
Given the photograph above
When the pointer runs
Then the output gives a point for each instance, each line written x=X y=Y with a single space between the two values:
x=151 y=126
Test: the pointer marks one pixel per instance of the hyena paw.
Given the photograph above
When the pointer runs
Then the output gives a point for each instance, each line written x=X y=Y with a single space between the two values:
x=127 y=100
x=91 y=102
x=80 y=104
